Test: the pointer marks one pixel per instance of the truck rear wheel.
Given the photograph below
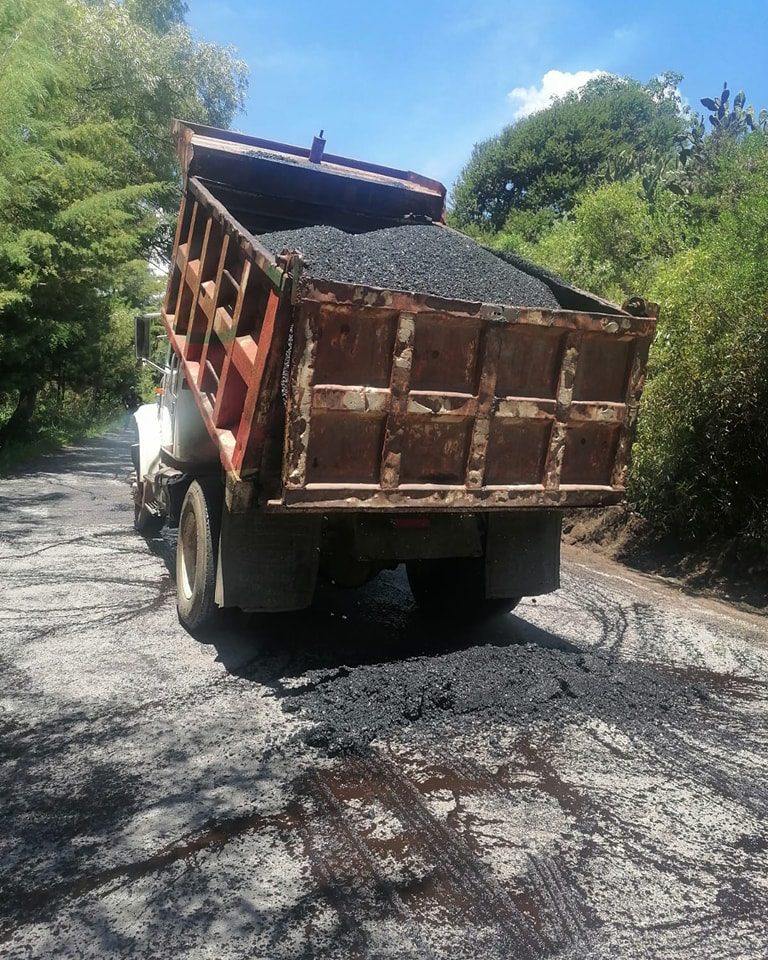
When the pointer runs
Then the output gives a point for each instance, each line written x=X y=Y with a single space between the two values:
x=196 y=553
x=455 y=587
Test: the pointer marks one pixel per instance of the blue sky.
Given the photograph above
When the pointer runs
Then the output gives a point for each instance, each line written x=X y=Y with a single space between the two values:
x=416 y=84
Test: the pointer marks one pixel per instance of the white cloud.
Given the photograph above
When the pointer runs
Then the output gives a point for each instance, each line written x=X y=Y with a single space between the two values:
x=554 y=83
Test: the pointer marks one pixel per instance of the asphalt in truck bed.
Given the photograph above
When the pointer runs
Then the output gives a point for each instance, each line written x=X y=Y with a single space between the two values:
x=418 y=258
x=586 y=777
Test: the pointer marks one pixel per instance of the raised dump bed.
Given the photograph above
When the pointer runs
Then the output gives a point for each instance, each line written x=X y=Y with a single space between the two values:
x=359 y=364
x=352 y=385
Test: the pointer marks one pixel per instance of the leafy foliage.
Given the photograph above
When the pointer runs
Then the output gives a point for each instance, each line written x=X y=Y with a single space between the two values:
x=87 y=173
x=614 y=240
x=701 y=461
x=684 y=221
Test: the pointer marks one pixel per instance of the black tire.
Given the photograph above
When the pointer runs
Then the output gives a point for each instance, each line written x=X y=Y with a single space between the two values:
x=196 y=553
x=455 y=587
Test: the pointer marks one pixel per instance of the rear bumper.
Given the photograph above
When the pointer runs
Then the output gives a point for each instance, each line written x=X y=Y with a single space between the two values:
x=446 y=499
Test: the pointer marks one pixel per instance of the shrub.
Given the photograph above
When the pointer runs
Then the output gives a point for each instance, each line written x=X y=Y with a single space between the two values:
x=701 y=460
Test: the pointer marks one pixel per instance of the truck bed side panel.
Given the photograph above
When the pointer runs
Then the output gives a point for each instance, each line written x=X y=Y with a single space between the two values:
x=228 y=317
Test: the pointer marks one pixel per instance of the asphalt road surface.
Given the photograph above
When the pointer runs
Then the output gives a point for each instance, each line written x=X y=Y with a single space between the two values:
x=585 y=778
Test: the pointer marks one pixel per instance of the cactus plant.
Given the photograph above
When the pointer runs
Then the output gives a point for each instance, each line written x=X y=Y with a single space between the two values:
x=739 y=119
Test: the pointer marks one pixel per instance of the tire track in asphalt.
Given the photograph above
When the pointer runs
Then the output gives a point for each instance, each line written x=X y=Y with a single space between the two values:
x=457 y=888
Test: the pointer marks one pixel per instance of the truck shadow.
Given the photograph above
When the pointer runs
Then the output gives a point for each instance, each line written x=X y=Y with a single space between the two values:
x=380 y=623
x=375 y=624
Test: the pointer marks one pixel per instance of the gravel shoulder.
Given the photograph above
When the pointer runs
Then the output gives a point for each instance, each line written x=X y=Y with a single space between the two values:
x=584 y=778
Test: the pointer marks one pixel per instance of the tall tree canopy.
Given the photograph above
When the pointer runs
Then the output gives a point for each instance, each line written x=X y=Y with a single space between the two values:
x=88 y=177
x=544 y=160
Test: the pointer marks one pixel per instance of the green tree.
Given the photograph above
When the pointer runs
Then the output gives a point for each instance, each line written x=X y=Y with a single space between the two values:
x=88 y=179
x=545 y=160
x=678 y=213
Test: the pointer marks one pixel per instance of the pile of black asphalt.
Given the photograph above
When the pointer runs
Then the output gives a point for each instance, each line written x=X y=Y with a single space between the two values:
x=513 y=685
x=417 y=258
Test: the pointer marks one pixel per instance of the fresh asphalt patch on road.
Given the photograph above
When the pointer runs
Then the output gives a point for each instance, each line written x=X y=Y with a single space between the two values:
x=516 y=684
x=585 y=777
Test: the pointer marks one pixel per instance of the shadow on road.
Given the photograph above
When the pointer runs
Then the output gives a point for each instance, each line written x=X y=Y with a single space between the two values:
x=376 y=623
x=380 y=624
x=107 y=455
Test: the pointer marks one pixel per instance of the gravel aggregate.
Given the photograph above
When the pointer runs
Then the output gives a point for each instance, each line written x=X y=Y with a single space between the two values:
x=419 y=258
x=516 y=684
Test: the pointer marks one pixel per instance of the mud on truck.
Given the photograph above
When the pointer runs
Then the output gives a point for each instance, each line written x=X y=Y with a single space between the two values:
x=351 y=385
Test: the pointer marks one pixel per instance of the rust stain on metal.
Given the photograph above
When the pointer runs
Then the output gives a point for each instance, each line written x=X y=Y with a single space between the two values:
x=632 y=408
x=567 y=376
x=323 y=497
x=352 y=399
x=343 y=294
x=303 y=375
x=486 y=401
x=523 y=408
x=441 y=404
x=558 y=438
x=402 y=362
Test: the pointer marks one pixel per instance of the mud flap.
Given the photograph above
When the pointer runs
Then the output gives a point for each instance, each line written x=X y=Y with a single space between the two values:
x=522 y=553
x=267 y=562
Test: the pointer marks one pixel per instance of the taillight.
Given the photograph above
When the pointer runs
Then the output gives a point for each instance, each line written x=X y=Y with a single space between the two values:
x=411 y=523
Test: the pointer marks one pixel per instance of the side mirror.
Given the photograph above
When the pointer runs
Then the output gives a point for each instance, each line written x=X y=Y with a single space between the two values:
x=142 y=337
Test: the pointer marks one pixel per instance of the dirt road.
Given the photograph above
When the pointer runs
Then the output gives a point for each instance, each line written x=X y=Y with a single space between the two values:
x=585 y=778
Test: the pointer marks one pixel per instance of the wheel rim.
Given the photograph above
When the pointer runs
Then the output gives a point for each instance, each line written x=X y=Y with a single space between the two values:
x=188 y=553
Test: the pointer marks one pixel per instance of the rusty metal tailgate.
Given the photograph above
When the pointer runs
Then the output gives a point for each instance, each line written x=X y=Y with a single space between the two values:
x=406 y=401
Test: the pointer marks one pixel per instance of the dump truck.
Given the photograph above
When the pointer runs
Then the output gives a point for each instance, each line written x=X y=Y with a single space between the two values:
x=350 y=385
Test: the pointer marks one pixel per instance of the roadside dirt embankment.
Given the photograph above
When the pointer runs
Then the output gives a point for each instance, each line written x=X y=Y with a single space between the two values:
x=726 y=569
